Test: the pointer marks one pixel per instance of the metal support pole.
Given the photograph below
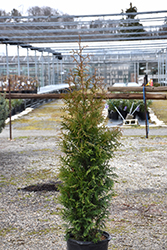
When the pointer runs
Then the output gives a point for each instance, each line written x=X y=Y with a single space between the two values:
x=42 y=71
x=61 y=73
x=36 y=64
x=158 y=67
x=99 y=69
x=147 y=68
x=57 y=70
x=7 y=61
x=48 y=69
x=28 y=70
x=18 y=58
x=105 y=73
x=145 y=104
x=10 y=120
x=53 y=73
x=137 y=72
x=163 y=65
x=161 y=68
x=166 y=68
x=134 y=72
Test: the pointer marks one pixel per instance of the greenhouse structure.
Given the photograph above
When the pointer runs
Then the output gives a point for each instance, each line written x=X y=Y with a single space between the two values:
x=122 y=47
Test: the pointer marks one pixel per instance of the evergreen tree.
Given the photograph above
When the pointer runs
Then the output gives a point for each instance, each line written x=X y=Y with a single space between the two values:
x=3 y=112
x=131 y=22
x=86 y=173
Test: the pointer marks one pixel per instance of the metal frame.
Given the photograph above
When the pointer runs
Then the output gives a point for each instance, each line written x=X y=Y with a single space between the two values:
x=107 y=44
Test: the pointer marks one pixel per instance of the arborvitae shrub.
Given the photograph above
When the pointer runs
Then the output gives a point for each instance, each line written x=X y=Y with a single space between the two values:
x=88 y=146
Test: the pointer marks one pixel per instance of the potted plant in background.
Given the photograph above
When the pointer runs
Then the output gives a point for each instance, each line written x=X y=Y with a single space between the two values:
x=112 y=113
x=124 y=107
x=85 y=171
x=141 y=110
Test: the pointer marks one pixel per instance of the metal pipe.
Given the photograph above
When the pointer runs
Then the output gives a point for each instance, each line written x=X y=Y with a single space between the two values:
x=42 y=70
x=18 y=58
x=7 y=61
x=131 y=108
x=166 y=68
x=57 y=71
x=10 y=120
x=53 y=73
x=135 y=109
x=158 y=67
x=90 y=15
x=28 y=70
x=119 y=113
x=163 y=65
x=61 y=73
x=36 y=64
x=137 y=71
x=145 y=104
x=48 y=69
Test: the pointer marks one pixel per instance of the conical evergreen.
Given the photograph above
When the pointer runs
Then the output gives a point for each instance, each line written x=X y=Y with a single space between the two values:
x=3 y=112
x=88 y=146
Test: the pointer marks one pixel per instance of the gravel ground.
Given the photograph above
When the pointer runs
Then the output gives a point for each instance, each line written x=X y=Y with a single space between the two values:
x=31 y=220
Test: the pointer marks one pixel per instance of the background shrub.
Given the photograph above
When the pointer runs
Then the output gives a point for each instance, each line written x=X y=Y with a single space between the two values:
x=4 y=111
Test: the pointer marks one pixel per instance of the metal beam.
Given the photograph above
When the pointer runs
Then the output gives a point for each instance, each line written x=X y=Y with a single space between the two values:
x=82 y=16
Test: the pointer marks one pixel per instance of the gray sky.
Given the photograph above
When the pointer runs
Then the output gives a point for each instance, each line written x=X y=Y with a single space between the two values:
x=75 y=7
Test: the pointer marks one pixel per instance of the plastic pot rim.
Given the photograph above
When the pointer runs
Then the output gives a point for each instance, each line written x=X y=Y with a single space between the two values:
x=86 y=243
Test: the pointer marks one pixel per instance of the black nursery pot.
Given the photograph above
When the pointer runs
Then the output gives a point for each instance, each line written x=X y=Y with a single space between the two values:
x=112 y=115
x=141 y=115
x=86 y=245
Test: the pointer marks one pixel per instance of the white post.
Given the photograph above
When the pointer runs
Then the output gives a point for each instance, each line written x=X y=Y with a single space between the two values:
x=57 y=70
x=53 y=73
x=48 y=69
x=137 y=72
x=28 y=71
x=166 y=68
x=158 y=67
x=61 y=73
x=134 y=72
x=18 y=58
x=7 y=61
x=42 y=70
x=36 y=64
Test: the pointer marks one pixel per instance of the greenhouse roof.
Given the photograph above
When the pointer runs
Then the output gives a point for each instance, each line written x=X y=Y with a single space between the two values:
x=144 y=32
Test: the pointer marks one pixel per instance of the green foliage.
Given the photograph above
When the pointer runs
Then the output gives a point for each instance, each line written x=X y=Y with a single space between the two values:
x=3 y=112
x=14 y=103
x=88 y=146
x=156 y=84
x=113 y=103
x=125 y=105
x=142 y=105
x=121 y=104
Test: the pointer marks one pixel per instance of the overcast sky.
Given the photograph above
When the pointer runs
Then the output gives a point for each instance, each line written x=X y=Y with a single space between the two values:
x=75 y=7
